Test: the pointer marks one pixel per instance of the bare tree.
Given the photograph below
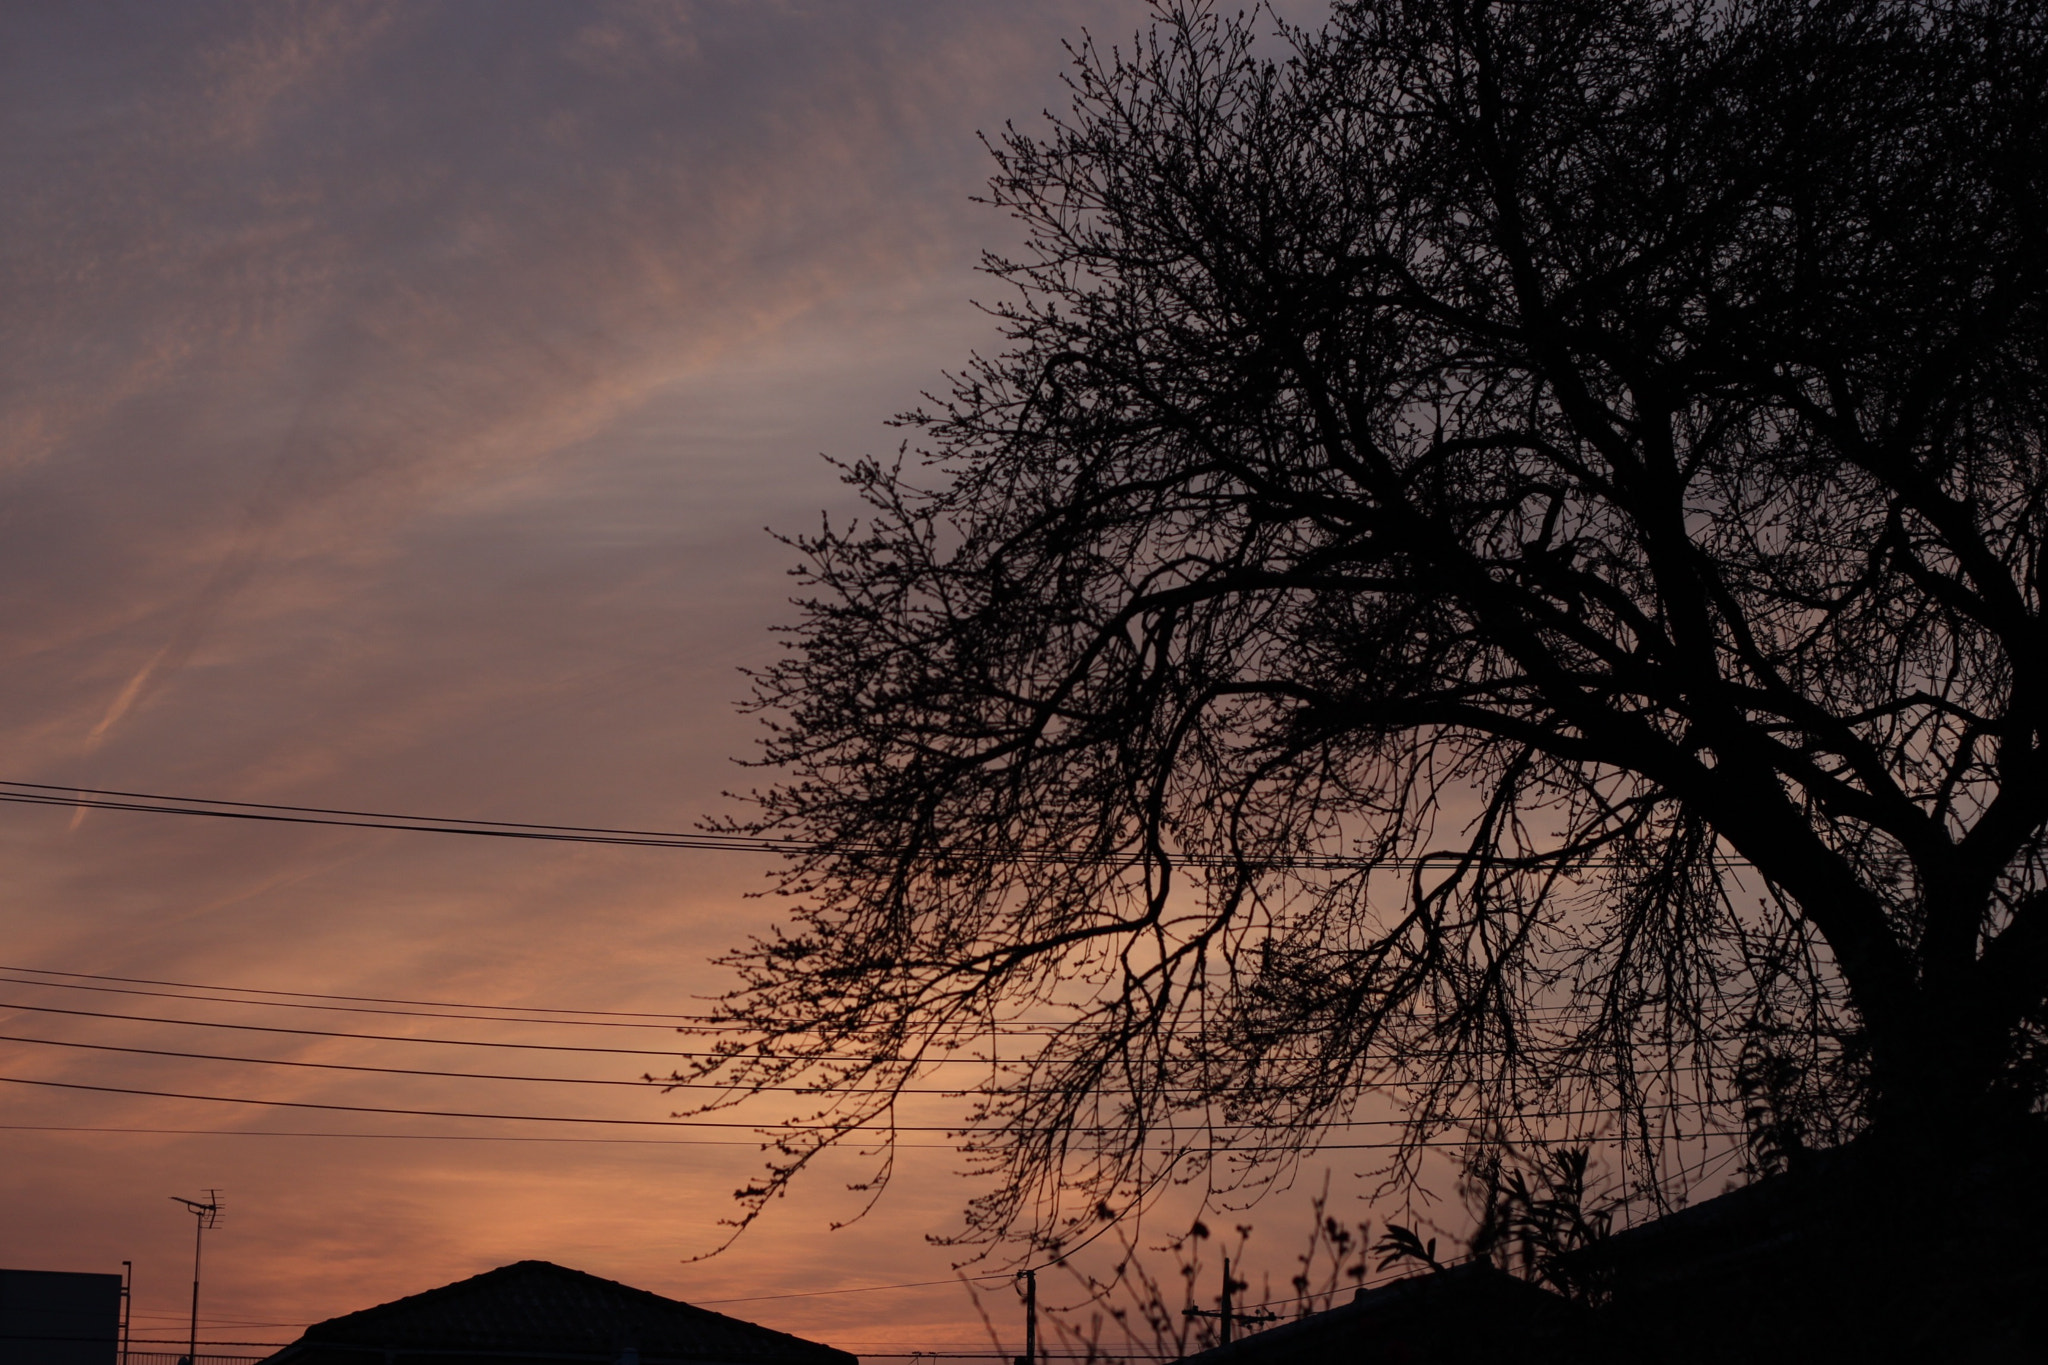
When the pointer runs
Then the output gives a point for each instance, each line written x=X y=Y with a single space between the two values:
x=1499 y=568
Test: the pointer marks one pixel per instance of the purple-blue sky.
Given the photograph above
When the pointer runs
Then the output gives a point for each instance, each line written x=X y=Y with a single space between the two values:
x=394 y=397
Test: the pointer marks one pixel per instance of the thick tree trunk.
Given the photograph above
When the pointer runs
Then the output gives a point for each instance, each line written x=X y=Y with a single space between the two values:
x=1935 y=1071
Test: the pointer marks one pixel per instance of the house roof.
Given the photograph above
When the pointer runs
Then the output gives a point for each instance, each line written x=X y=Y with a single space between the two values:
x=1470 y=1313
x=533 y=1311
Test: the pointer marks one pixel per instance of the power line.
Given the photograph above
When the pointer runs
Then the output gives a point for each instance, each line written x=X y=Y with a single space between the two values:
x=347 y=1009
x=372 y=1037
x=418 y=1137
x=850 y=1132
x=746 y=1054
x=857 y=1289
x=672 y=1142
x=644 y=1083
x=205 y=1321
x=378 y=1070
x=91 y=798
x=572 y=1048
x=358 y=999
x=433 y=1113
x=97 y=798
x=709 y=1024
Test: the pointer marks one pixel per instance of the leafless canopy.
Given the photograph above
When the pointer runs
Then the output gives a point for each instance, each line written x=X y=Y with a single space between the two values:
x=1498 y=571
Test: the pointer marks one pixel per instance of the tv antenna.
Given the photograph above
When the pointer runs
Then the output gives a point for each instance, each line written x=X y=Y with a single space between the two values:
x=206 y=1213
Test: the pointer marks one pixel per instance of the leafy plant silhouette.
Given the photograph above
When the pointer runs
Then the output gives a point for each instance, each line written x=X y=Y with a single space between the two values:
x=1535 y=1222
x=1405 y=1244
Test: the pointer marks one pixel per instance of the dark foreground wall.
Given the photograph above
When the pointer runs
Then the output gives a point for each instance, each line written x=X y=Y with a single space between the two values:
x=1865 y=1254
x=1865 y=1257
x=55 y=1317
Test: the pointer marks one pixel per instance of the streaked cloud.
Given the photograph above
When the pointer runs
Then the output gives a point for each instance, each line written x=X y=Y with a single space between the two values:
x=391 y=399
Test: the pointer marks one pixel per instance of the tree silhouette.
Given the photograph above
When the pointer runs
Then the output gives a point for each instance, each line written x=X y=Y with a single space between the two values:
x=1499 y=565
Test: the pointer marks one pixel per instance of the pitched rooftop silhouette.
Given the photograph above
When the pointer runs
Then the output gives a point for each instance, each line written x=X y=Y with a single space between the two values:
x=1471 y=1314
x=531 y=1312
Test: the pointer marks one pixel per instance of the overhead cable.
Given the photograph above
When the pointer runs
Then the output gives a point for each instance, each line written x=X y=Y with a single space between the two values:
x=364 y=999
x=642 y=1083
x=373 y=1037
x=349 y=1009
x=744 y=1054
x=710 y=1024
x=96 y=798
x=1182 y=1149
x=958 y=1130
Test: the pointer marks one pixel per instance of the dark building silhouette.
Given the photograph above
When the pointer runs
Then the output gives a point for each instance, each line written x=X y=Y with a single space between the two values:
x=58 y=1317
x=1848 y=1256
x=1472 y=1313
x=535 y=1312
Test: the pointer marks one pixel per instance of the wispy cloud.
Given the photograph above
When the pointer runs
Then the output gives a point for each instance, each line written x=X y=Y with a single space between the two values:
x=391 y=400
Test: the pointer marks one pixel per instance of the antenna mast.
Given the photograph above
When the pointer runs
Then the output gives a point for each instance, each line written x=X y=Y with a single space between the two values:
x=206 y=1213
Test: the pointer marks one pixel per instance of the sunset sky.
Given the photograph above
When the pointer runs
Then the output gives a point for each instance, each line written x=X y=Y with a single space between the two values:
x=395 y=399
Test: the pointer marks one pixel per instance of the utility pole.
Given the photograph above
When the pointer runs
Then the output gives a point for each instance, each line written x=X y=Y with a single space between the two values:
x=127 y=1305
x=206 y=1214
x=1228 y=1319
x=1030 y=1356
